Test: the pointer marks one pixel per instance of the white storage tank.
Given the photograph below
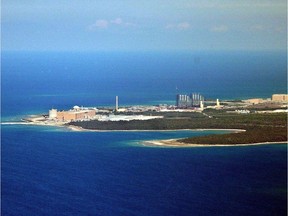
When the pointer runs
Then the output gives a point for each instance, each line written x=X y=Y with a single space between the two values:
x=52 y=113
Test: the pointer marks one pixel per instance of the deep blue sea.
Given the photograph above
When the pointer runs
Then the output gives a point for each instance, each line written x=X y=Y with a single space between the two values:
x=54 y=171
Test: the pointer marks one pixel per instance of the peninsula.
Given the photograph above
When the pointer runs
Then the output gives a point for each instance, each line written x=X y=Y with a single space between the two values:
x=252 y=128
x=250 y=122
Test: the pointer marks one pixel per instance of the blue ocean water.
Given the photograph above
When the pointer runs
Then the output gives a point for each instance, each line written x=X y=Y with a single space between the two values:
x=53 y=171
x=37 y=81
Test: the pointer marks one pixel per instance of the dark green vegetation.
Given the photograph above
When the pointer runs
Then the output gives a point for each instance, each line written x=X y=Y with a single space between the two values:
x=259 y=127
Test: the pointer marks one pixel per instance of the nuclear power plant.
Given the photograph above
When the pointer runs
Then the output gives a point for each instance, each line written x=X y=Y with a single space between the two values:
x=184 y=103
x=74 y=114
x=188 y=101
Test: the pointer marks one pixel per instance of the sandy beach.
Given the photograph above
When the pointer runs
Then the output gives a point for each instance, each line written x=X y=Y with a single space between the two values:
x=176 y=143
x=76 y=128
x=155 y=143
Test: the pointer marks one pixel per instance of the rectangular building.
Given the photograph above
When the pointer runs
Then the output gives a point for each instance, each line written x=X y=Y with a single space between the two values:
x=72 y=115
x=283 y=98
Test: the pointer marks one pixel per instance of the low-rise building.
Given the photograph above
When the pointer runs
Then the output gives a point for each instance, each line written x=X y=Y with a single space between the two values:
x=283 y=98
x=255 y=100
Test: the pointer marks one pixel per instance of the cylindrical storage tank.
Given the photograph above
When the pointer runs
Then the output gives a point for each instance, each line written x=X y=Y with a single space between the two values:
x=52 y=113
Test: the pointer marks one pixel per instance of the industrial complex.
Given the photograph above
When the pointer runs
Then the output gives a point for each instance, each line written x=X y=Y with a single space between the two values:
x=192 y=100
x=74 y=114
x=184 y=103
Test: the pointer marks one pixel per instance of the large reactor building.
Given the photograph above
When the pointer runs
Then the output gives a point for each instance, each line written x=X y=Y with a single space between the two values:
x=74 y=114
x=192 y=100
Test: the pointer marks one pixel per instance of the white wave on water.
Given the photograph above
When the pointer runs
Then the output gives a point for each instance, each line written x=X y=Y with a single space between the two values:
x=16 y=123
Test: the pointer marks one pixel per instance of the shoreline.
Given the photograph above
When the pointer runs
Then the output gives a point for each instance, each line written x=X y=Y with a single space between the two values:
x=154 y=143
x=80 y=129
x=174 y=143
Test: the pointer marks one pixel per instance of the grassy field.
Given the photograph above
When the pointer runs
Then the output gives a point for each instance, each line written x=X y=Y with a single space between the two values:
x=259 y=127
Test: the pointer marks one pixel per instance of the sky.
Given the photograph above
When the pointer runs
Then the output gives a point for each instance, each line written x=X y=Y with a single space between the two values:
x=143 y=25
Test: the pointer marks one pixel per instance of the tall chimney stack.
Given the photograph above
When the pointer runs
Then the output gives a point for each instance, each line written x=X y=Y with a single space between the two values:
x=116 y=105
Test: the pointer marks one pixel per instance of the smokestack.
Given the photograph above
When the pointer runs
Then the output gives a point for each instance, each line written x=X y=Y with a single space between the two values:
x=116 y=106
